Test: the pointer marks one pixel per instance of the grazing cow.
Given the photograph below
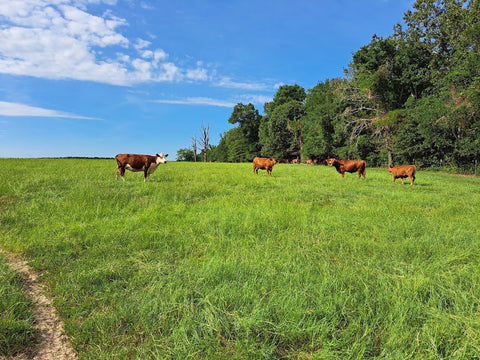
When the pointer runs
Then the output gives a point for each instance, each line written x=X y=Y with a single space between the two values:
x=295 y=161
x=263 y=163
x=350 y=166
x=134 y=162
x=309 y=162
x=402 y=172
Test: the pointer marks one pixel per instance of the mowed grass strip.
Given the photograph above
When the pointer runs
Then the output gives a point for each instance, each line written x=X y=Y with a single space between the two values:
x=208 y=260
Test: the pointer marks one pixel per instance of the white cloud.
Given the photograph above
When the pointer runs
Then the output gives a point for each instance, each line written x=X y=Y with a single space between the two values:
x=141 y=44
x=61 y=40
x=197 y=74
x=255 y=99
x=15 y=109
x=198 y=101
x=229 y=83
x=258 y=100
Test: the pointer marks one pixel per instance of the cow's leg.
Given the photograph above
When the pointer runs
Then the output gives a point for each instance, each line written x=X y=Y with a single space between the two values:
x=403 y=180
x=412 y=179
x=254 y=169
x=145 y=174
x=121 y=172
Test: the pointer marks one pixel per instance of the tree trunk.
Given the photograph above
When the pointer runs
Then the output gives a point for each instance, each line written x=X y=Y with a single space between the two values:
x=390 y=158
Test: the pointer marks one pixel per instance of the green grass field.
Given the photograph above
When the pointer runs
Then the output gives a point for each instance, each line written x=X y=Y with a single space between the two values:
x=209 y=261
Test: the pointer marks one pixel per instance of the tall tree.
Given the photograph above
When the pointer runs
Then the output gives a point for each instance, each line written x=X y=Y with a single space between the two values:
x=194 y=147
x=281 y=130
x=248 y=120
x=205 y=140
x=323 y=107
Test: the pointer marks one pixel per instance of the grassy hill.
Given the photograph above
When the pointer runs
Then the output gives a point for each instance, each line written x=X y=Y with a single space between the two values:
x=211 y=261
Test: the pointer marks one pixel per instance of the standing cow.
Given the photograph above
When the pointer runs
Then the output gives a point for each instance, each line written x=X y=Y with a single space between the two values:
x=135 y=162
x=263 y=163
x=402 y=172
x=350 y=166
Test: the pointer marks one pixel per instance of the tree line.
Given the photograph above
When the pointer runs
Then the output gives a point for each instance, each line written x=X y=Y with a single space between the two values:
x=412 y=97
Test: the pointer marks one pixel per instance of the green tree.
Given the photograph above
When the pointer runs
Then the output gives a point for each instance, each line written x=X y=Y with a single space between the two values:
x=247 y=140
x=281 y=131
x=284 y=94
x=185 y=154
x=323 y=108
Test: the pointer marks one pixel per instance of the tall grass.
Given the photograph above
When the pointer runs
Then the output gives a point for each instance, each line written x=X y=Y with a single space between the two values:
x=212 y=261
x=16 y=317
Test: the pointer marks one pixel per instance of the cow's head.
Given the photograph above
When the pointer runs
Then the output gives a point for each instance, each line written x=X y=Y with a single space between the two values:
x=390 y=169
x=331 y=162
x=161 y=158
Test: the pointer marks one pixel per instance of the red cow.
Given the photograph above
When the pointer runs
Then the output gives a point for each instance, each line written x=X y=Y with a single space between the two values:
x=402 y=172
x=350 y=166
x=134 y=162
x=263 y=163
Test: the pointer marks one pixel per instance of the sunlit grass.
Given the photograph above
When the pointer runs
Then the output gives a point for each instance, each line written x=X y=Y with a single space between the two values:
x=212 y=261
x=16 y=318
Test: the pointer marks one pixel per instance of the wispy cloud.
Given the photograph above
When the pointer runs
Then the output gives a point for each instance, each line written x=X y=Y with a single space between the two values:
x=227 y=82
x=15 y=109
x=197 y=101
x=257 y=100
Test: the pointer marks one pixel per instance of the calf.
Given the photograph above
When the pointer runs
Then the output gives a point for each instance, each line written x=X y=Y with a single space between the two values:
x=350 y=166
x=134 y=162
x=402 y=172
x=263 y=163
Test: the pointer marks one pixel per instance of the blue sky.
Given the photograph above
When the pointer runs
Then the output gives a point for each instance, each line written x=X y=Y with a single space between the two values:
x=100 y=77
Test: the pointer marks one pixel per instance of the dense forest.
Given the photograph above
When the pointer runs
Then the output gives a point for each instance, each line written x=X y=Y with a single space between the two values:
x=412 y=97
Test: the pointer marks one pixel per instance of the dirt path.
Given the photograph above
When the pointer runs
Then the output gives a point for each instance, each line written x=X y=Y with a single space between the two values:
x=52 y=343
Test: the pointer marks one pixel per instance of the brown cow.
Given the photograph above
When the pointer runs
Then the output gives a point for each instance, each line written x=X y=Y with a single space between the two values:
x=350 y=166
x=402 y=172
x=135 y=162
x=295 y=161
x=263 y=163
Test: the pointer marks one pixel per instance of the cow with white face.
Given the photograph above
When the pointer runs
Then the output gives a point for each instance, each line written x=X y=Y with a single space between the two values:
x=135 y=162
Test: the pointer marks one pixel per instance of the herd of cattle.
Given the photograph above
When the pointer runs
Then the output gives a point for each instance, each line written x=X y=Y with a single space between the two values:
x=342 y=166
x=149 y=163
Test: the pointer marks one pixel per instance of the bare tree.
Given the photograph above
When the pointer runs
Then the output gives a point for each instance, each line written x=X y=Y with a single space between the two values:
x=194 y=147
x=204 y=140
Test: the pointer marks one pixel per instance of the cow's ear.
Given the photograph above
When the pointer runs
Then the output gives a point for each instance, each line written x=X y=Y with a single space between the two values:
x=166 y=155
x=157 y=155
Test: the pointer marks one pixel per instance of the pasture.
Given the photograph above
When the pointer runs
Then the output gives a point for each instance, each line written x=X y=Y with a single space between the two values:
x=209 y=261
